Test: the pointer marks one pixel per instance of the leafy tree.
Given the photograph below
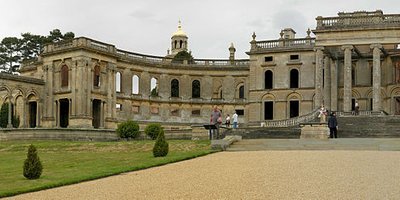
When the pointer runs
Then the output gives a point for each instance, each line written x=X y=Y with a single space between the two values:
x=154 y=92
x=161 y=146
x=4 y=117
x=181 y=56
x=32 y=165
x=15 y=50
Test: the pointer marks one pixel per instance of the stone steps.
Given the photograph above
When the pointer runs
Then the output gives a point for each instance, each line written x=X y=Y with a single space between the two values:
x=372 y=144
x=264 y=132
x=369 y=126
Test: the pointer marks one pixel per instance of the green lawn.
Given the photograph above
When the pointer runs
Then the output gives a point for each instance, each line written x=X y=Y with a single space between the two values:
x=71 y=162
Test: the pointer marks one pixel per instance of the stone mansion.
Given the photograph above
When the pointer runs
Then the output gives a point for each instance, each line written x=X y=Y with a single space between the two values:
x=84 y=83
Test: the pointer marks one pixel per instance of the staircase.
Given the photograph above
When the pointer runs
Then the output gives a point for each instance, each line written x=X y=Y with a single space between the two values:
x=369 y=126
x=265 y=132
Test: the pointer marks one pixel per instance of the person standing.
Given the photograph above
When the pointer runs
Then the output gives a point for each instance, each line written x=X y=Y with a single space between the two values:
x=333 y=125
x=216 y=119
x=228 y=121
x=235 y=120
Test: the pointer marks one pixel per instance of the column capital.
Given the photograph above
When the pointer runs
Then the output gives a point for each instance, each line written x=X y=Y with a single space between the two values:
x=373 y=46
x=347 y=46
x=321 y=48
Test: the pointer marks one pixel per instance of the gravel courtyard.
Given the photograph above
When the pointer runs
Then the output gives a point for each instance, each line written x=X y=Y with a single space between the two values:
x=251 y=175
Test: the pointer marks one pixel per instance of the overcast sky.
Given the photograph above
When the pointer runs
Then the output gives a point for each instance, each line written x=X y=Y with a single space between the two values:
x=146 y=26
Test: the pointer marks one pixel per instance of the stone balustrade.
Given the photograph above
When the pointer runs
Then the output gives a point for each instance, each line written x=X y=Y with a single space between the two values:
x=295 y=121
x=83 y=42
x=286 y=43
x=357 y=19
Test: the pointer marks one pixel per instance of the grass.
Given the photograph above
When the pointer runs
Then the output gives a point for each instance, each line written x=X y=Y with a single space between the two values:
x=72 y=162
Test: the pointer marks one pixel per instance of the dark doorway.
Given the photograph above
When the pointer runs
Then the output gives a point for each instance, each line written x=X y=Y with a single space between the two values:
x=96 y=113
x=294 y=78
x=64 y=113
x=268 y=110
x=32 y=114
x=294 y=108
x=268 y=79
x=353 y=104
x=397 y=105
x=371 y=104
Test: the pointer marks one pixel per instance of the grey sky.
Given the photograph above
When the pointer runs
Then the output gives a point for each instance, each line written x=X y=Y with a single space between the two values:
x=146 y=26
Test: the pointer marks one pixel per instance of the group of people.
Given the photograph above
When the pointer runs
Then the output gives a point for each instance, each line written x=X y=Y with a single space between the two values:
x=332 y=121
x=216 y=119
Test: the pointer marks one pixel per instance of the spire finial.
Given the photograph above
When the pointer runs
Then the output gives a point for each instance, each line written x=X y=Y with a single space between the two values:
x=254 y=36
x=308 y=32
x=179 y=24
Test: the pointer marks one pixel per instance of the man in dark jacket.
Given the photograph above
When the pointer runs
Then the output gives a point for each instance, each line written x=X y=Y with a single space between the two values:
x=332 y=124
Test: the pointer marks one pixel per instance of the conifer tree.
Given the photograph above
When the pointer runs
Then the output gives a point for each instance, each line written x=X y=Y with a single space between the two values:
x=32 y=165
x=160 y=148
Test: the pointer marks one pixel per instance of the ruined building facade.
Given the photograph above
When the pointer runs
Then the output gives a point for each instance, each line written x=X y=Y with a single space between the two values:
x=354 y=57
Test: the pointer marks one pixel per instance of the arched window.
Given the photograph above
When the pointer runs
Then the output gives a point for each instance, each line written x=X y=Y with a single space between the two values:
x=175 y=44
x=174 y=88
x=154 y=87
x=135 y=84
x=64 y=76
x=268 y=79
x=294 y=78
x=118 y=82
x=96 y=77
x=180 y=43
x=241 y=92
x=196 y=89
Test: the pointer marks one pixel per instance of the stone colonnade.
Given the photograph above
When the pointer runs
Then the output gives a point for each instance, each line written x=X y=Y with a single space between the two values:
x=328 y=93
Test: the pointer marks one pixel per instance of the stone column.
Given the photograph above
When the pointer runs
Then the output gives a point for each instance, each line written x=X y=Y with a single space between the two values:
x=347 y=78
x=376 y=77
x=318 y=76
x=334 y=85
x=9 y=123
x=327 y=82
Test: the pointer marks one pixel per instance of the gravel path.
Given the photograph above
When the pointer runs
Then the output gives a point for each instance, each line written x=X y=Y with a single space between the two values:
x=251 y=175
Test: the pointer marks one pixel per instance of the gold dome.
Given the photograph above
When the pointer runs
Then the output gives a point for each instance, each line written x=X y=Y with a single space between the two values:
x=179 y=32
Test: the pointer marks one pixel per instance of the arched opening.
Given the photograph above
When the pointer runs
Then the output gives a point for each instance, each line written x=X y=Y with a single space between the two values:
x=96 y=113
x=268 y=110
x=32 y=108
x=294 y=78
x=135 y=84
x=180 y=43
x=96 y=76
x=241 y=92
x=118 y=82
x=268 y=79
x=196 y=89
x=64 y=113
x=176 y=42
x=154 y=87
x=64 y=76
x=294 y=108
x=174 y=88
x=19 y=110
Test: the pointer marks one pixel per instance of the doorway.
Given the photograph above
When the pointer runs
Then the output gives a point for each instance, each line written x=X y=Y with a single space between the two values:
x=64 y=113
x=268 y=110
x=96 y=113
x=32 y=114
x=294 y=109
x=397 y=105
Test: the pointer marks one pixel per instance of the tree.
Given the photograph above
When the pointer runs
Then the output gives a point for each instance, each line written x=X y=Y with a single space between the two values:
x=13 y=50
x=32 y=165
x=10 y=54
x=152 y=130
x=161 y=146
x=4 y=117
x=181 y=56
x=128 y=129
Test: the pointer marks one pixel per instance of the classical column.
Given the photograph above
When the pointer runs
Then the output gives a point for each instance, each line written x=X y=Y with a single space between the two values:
x=327 y=82
x=376 y=77
x=9 y=123
x=347 y=78
x=318 y=76
x=334 y=85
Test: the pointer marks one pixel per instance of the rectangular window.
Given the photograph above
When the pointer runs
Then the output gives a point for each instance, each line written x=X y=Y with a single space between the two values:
x=196 y=112
x=135 y=109
x=240 y=112
x=154 y=110
x=268 y=58
x=118 y=106
x=294 y=57
x=175 y=112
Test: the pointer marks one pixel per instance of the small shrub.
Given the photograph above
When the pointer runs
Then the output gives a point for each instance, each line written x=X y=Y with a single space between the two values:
x=32 y=165
x=128 y=129
x=160 y=148
x=4 y=117
x=152 y=130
